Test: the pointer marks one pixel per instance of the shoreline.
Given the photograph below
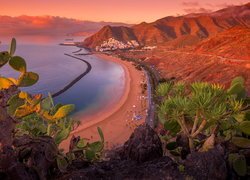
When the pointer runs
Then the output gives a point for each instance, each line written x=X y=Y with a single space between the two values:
x=108 y=111
x=115 y=119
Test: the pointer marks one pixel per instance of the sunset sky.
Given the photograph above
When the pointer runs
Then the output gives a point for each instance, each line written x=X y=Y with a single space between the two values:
x=128 y=11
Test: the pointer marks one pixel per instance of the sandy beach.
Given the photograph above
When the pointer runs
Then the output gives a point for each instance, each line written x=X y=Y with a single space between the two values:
x=116 y=120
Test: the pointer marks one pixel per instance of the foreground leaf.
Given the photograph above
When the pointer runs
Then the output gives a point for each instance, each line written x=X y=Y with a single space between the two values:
x=245 y=127
x=81 y=144
x=238 y=80
x=23 y=111
x=14 y=102
x=241 y=142
x=18 y=63
x=5 y=83
x=90 y=155
x=240 y=166
x=12 y=47
x=237 y=89
x=172 y=126
x=100 y=134
x=62 y=135
x=47 y=103
x=61 y=163
x=96 y=146
x=28 y=79
x=23 y=95
x=4 y=58
x=64 y=111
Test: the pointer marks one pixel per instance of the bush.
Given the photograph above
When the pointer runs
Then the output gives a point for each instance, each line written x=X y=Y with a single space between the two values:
x=203 y=108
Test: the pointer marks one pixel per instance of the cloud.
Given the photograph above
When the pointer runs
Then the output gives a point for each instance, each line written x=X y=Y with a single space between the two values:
x=197 y=10
x=195 y=7
x=48 y=25
x=222 y=5
x=191 y=4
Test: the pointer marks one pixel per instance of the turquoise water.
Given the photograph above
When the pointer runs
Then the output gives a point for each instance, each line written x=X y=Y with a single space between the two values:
x=100 y=88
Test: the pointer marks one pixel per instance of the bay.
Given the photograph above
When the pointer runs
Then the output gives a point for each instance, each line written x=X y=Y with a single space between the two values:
x=100 y=88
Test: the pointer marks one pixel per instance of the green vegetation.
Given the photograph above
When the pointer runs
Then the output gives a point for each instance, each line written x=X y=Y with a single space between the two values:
x=37 y=116
x=17 y=63
x=41 y=117
x=86 y=150
x=205 y=109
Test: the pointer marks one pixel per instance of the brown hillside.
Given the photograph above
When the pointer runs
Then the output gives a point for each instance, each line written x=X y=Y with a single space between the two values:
x=232 y=43
x=191 y=28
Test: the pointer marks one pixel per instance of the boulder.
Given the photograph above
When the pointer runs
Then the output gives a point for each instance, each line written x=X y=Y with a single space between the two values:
x=141 y=157
x=143 y=145
x=161 y=168
x=207 y=165
x=38 y=153
x=12 y=168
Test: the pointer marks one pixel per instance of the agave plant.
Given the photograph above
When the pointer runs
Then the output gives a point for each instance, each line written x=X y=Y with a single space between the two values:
x=200 y=108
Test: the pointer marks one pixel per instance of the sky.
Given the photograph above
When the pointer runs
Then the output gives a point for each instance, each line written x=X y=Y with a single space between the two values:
x=127 y=11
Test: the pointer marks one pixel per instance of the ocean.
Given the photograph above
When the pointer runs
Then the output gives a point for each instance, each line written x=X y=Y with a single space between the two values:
x=100 y=88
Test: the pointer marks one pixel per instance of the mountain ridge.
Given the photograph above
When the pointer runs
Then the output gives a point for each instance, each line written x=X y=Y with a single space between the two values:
x=199 y=26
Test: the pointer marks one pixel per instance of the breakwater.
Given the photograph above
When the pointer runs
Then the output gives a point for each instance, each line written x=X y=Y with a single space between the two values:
x=74 y=81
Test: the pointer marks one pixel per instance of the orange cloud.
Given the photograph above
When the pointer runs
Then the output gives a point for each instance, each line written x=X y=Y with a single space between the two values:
x=193 y=3
x=197 y=10
x=48 y=25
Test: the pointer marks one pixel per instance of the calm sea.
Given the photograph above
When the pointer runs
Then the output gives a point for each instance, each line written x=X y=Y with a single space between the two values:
x=100 y=88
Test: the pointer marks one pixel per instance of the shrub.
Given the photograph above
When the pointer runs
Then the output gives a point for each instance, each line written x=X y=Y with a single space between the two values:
x=204 y=108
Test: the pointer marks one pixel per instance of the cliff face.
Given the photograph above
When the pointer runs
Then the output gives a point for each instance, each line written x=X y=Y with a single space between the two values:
x=194 y=27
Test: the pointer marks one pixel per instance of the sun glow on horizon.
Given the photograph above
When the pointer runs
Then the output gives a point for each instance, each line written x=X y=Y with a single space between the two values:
x=128 y=11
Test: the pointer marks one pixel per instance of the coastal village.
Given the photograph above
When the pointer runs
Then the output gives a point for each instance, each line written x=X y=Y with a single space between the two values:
x=112 y=44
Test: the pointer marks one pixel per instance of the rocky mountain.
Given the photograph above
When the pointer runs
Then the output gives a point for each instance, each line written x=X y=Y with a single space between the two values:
x=49 y=25
x=120 y=33
x=191 y=28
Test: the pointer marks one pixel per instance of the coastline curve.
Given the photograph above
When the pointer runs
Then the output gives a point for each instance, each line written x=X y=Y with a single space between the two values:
x=74 y=81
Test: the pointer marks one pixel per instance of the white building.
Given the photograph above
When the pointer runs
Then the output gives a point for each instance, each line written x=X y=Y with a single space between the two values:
x=112 y=44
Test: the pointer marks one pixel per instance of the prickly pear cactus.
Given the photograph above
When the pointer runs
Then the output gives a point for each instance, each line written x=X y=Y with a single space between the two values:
x=17 y=63
x=81 y=148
